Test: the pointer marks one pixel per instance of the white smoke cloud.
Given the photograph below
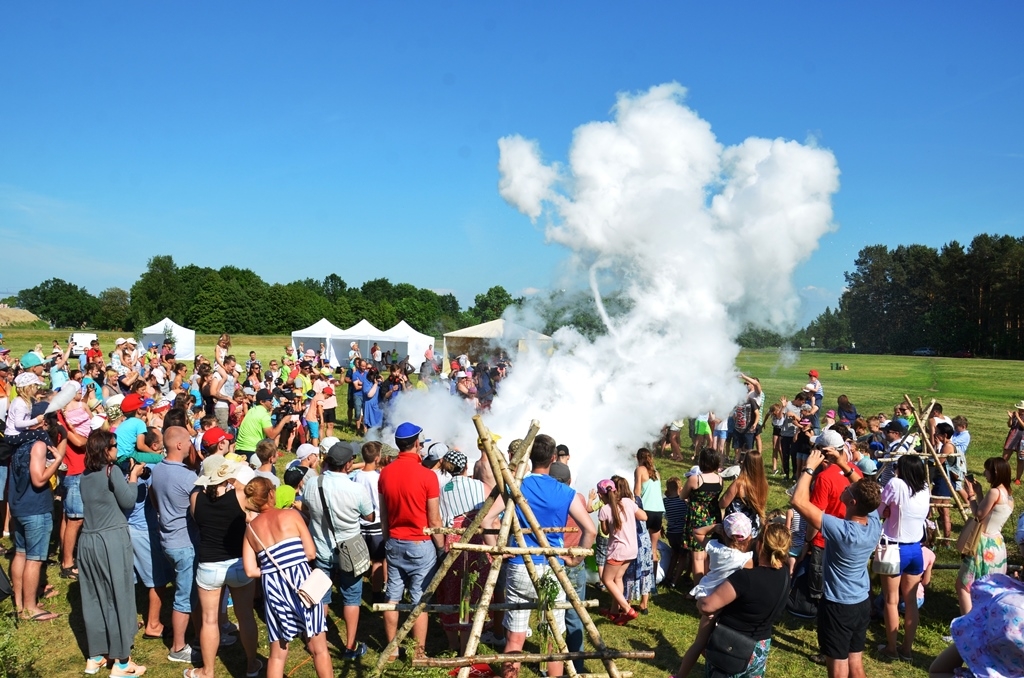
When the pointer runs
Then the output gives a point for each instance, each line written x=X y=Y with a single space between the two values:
x=701 y=239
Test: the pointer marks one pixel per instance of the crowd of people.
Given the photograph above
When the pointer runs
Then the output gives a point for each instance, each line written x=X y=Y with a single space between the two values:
x=166 y=475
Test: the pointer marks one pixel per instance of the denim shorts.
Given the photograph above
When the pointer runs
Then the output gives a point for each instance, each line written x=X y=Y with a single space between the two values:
x=73 y=507
x=3 y=483
x=184 y=562
x=410 y=567
x=221 y=573
x=152 y=569
x=32 y=535
x=350 y=587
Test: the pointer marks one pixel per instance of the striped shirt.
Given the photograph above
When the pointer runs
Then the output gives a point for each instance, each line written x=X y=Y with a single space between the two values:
x=675 y=514
x=460 y=495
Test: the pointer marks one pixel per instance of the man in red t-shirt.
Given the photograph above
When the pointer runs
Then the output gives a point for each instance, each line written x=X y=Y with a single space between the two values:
x=828 y=487
x=409 y=501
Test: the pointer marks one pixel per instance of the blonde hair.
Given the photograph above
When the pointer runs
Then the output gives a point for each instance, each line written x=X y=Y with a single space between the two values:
x=775 y=542
x=258 y=493
x=28 y=392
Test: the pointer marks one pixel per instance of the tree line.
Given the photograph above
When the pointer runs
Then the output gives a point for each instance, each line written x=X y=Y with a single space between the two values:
x=951 y=299
x=237 y=301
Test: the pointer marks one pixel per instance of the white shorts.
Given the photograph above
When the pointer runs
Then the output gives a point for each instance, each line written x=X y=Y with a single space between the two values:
x=212 y=576
x=519 y=589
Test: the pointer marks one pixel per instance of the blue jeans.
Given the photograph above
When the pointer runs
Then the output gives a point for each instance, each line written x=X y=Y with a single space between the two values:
x=573 y=624
x=73 y=507
x=349 y=586
x=184 y=562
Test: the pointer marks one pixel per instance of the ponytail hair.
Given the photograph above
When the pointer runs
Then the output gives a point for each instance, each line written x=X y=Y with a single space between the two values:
x=775 y=542
x=611 y=497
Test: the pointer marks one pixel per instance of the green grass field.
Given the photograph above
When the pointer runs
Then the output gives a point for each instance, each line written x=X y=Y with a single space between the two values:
x=982 y=390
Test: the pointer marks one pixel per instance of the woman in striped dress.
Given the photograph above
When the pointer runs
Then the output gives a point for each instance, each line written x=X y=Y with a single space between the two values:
x=283 y=533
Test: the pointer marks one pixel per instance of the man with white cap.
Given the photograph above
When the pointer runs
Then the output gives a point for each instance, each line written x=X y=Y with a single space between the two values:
x=409 y=501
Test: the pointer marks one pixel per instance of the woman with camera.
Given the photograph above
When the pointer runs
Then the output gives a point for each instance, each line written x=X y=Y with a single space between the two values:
x=373 y=417
x=105 y=558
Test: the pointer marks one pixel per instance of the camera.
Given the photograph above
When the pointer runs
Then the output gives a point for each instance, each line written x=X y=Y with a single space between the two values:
x=127 y=464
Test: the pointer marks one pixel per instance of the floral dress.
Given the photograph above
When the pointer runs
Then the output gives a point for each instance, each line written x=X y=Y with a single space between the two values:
x=990 y=556
x=640 y=577
x=704 y=511
x=990 y=638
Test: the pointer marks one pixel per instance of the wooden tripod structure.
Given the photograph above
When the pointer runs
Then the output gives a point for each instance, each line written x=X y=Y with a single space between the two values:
x=507 y=487
x=923 y=414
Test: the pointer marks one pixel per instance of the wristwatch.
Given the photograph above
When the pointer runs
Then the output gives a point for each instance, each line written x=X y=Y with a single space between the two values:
x=809 y=471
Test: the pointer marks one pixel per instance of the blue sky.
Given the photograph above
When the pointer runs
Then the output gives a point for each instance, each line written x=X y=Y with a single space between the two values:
x=301 y=139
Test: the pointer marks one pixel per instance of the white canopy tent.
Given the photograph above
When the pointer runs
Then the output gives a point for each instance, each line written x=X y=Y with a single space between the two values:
x=417 y=341
x=320 y=332
x=364 y=334
x=478 y=341
x=184 y=338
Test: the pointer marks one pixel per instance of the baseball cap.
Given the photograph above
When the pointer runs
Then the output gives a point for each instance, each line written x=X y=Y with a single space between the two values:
x=305 y=449
x=435 y=453
x=605 y=486
x=328 y=391
x=457 y=460
x=131 y=340
x=340 y=453
x=4 y=366
x=327 y=443
x=133 y=402
x=27 y=379
x=460 y=374
x=897 y=425
x=829 y=438
x=407 y=430
x=812 y=373
x=214 y=436
x=294 y=475
x=810 y=388
x=867 y=466
x=263 y=395
x=119 y=341
x=30 y=360
x=560 y=472
x=737 y=526
x=152 y=344
x=162 y=404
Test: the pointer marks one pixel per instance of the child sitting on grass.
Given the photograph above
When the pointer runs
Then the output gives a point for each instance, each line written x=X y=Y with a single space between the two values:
x=731 y=551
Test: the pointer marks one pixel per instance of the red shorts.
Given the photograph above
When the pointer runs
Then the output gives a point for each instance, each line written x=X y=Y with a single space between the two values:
x=615 y=562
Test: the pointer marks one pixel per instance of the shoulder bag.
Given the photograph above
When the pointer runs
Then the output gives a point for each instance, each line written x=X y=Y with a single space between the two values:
x=887 y=554
x=351 y=557
x=967 y=542
x=312 y=589
x=728 y=651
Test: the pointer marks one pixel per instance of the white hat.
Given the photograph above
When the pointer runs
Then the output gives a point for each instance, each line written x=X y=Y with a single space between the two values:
x=460 y=375
x=305 y=450
x=217 y=470
x=97 y=421
x=829 y=438
x=811 y=388
x=27 y=379
x=119 y=341
x=327 y=443
x=131 y=340
x=161 y=376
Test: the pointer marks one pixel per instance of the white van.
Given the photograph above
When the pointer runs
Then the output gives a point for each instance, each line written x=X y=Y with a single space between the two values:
x=81 y=341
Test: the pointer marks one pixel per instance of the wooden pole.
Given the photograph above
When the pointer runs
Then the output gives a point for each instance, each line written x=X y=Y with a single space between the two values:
x=926 y=440
x=486 y=530
x=556 y=566
x=530 y=658
x=506 y=525
x=449 y=560
x=406 y=607
x=524 y=550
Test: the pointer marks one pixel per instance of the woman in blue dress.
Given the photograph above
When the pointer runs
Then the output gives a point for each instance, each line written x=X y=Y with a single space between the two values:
x=373 y=416
x=278 y=548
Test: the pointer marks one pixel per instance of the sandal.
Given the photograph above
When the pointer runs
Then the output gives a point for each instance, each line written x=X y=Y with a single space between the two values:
x=40 y=616
x=69 y=572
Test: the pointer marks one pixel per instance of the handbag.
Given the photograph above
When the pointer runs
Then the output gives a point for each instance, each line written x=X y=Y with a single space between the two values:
x=967 y=542
x=312 y=589
x=351 y=557
x=887 y=557
x=728 y=651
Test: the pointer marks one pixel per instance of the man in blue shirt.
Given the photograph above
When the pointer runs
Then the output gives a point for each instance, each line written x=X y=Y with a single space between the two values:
x=845 y=608
x=552 y=503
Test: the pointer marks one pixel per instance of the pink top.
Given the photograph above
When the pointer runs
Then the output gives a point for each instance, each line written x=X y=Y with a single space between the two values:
x=622 y=545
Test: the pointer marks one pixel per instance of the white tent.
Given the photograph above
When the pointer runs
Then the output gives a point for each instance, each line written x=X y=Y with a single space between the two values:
x=320 y=332
x=478 y=341
x=364 y=334
x=417 y=341
x=184 y=338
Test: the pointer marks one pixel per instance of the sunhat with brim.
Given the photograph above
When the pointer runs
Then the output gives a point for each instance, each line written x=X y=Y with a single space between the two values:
x=27 y=379
x=217 y=470
x=1019 y=405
